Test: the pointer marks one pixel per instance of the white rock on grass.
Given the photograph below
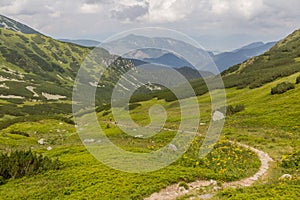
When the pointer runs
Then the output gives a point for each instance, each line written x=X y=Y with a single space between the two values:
x=89 y=140
x=139 y=136
x=286 y=176
x=41 y=141
x=218 y=116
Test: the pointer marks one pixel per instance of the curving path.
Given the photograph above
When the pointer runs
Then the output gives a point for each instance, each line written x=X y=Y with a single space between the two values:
x=172 y=192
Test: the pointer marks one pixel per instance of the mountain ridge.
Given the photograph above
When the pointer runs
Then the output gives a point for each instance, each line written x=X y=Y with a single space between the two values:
x=14 y=25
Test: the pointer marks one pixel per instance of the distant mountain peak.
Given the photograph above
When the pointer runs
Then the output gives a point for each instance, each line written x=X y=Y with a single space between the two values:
x=13 y=25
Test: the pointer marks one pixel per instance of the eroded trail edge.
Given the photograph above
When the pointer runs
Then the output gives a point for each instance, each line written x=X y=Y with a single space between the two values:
x=174 y=191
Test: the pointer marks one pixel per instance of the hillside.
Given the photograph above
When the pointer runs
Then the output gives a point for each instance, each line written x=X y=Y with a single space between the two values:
x=39 y=62
x=281 y=60
x=228 y=59
x=13 y=25
x=37 y=74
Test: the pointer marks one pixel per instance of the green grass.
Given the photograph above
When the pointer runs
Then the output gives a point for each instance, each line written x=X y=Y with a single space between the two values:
x=269 y=122
x=269 y=128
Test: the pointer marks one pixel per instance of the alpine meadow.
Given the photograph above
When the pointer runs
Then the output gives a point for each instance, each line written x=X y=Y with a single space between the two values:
x=45 y=153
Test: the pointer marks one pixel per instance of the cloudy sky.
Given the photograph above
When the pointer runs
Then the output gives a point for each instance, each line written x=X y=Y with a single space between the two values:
x=216 y=24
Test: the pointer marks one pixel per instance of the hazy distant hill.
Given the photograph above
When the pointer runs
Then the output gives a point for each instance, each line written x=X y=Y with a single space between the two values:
x=170 y=59
x=228 y=59
x=85 y=43
x=223 y=60
x=161 y=50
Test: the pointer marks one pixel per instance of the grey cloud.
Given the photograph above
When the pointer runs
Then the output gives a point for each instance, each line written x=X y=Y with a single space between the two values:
x=5 y=2
x=97 y=1
x=130 y=13
x=262 y=20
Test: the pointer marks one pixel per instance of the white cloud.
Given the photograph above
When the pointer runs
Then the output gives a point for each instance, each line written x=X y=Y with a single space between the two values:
x=89 y=8
x=99 y=18
x=167 y=11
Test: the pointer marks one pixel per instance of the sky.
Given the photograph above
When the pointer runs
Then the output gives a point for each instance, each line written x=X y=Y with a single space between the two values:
x=220 y=25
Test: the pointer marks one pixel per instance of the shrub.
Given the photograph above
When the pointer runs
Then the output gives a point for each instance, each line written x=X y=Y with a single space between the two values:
x=298 y=80
x=19 y=133
x=231 y=110
x=282 y=88
x=38 y=39
x=291 y=160
x=184 y=185
x=22 y=163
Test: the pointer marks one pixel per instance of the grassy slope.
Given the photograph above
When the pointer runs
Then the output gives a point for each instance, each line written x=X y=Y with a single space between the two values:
x=269 y=128
x=280 y=61
x=268 y=123
x=45 y=63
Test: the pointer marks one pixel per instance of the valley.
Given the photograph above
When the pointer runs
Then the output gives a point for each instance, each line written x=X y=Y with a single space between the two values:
x=259 y=142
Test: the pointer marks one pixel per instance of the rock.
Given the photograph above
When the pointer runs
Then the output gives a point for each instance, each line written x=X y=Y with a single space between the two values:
x=49 y=148
x=213 y=182
x=139 y=136
x=88 y=140
x=172 y=147
x=286 y=176
x=41 y=141
x=217 y=188
x=218 y=116
x=206 y=196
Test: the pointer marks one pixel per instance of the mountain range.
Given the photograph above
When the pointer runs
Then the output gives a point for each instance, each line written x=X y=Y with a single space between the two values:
x=47 y=67
x=227 y=59
x=223 y=60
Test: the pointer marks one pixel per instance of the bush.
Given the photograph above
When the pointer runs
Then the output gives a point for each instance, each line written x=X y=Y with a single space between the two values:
x=298 y=80
x=291 y=160
x=231 y=110
x=282 y=88
x=22 y=163
x=19 y=133
x=184 y=185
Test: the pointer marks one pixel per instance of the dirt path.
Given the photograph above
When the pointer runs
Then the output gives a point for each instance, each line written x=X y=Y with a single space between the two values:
x=173 y=191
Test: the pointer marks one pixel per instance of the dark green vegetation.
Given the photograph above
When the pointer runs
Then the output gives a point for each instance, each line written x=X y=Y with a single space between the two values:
x=231 y=110
x=24 y=163
x=298 y=80
x=282 y=88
